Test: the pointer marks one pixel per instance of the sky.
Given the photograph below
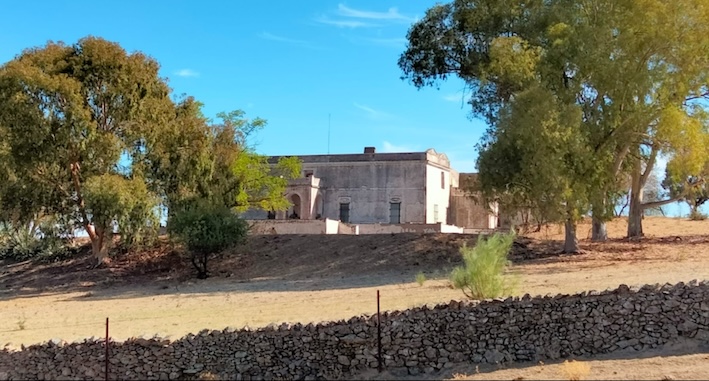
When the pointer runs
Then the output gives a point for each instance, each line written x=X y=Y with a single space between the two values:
x=324 y=74
x=301 y=65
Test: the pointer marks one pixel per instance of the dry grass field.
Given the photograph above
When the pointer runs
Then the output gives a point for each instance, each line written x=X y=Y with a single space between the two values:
x=313 y=278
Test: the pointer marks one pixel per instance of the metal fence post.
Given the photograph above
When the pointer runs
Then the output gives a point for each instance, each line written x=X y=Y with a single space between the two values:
x=106 y=371
x=379 y=336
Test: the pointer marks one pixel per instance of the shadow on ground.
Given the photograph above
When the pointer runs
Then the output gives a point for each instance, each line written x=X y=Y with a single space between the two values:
x=541 y=369
x=298 y=263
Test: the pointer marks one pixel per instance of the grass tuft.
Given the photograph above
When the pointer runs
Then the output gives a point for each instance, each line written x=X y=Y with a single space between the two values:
x=421 y=278
x=575 y=370
x=482 y=275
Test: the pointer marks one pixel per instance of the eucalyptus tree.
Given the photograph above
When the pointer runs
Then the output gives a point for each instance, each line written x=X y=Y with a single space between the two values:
x=633 y=70
x=70 y=112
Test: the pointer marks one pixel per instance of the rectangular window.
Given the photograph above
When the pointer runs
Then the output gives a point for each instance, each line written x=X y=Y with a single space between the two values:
x=345 y=212
x=395 y=213
x=435 y=213
x=443 y=180
x=307 y=173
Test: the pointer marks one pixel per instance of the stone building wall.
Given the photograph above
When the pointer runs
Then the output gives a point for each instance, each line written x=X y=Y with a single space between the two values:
x=416 y=340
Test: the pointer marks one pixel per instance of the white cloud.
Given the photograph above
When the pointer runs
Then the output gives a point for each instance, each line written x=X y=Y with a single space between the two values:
x=273 y=37
x=186 y=73
x=390 y=148
x=372 y=113
x=344 y=23
x=453 y=97
x=390 y=14
x=353 y=18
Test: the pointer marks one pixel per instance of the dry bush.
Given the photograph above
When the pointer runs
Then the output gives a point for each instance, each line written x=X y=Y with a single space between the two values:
x=575 y=370
x=208 y=376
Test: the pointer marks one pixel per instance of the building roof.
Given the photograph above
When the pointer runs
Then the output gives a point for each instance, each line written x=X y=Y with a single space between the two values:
x=356 y=157
x=369 y=155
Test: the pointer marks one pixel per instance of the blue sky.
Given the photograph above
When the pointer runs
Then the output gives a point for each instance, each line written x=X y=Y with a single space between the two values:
x=289 y=62
x=292 y=63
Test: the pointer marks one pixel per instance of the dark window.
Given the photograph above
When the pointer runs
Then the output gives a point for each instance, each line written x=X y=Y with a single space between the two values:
x=395 y=213
x=443 y=180
x=345 y=212
x=307 y=173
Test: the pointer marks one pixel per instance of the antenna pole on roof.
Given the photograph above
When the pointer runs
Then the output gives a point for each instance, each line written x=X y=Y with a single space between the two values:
x=328 y=134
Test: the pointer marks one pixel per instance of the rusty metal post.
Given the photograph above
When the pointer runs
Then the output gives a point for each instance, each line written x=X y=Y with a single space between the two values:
x=106 y=350
x=379 y=336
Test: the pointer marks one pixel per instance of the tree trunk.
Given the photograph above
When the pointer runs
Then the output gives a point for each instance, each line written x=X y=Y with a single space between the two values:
x=599 y=232
x=99 y=248
x=635 y=215
x=571 y=243
x=635 y=211
x=199 y=261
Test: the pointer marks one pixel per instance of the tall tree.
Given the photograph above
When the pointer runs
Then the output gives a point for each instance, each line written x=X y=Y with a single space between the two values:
x=634 y=80
x=70 y=112
x=214 y=163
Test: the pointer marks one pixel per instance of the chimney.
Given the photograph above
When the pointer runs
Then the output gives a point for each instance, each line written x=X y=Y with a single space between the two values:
x=370 y=149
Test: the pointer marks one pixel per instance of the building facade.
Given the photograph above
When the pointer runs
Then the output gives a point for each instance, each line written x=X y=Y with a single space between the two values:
x=384 y=188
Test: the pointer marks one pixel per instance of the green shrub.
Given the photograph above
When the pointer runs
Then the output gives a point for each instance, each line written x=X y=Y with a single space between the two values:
x=206 y=230
x=421 y=278
x=482 y=275
x=39 y=242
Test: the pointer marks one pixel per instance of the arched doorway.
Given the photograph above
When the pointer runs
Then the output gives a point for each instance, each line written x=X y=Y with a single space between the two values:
x=295 y=211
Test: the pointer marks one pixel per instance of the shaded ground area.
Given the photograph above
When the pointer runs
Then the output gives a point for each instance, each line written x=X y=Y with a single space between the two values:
x=332 y=257
x=687 y=360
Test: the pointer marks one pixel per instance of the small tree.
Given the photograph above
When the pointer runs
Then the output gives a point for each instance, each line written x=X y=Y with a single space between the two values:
x=207 y=229
x=693 y=190
x=482 y=275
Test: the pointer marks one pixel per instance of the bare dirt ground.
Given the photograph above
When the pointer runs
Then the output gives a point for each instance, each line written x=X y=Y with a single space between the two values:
x=313 y=278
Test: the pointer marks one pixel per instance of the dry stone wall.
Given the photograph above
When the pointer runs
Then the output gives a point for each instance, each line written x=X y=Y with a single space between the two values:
x=416 y=340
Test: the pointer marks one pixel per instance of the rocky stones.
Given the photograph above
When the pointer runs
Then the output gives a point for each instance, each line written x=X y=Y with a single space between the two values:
x=627 y=343
x=687 y=326
x=418 y=340
x=343 y=360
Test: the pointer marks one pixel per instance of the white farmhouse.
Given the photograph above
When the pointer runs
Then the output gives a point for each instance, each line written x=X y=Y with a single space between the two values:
x=382 y=188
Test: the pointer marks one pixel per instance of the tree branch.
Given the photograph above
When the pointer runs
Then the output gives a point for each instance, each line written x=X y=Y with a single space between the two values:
x=75 y=168
x=649 y=166
x=656 y=204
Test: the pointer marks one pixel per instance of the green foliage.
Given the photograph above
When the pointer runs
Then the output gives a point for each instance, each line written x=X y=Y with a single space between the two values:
x=692 y=189
x=263 y=186
x=482 y=276
x=214 y=162
x=207 y=229
x=68 y=114
x=37 y=240
x=421 y=278
x=126 y=204
x=628 y=67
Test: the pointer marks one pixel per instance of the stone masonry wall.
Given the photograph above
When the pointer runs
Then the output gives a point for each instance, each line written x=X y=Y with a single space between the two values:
x=419 y=340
